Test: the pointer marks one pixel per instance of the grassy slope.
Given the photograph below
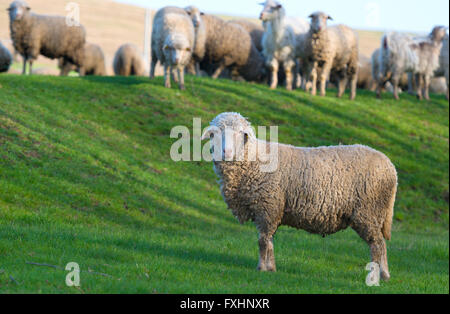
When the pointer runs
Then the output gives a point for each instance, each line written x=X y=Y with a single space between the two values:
x=85 y=176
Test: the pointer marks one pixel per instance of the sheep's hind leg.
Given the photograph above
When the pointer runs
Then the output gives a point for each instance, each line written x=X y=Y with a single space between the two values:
x=266 y=255
x=426 y=87
x=288 y=67
x=273 y=66
x=342 y=85
x=24 y=68
x=379 y=255
x=219 y=71
x=31 y=67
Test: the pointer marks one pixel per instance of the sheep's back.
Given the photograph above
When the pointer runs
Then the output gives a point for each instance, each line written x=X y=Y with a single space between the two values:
x=325 y=186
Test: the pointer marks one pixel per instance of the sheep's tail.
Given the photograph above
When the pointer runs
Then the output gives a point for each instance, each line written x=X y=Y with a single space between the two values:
x=387 y=227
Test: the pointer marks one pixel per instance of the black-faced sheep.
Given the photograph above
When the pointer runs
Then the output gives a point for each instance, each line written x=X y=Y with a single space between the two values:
x=321 y=190
x=50 y=36
x=129 y=61
x=93 y=62
x=331 y=49
x=5 y=58
x=173 y=42
x=400 y=53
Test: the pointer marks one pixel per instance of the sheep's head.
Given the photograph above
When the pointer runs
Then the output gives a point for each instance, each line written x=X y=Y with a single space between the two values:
x=195 y=14
x=272 y=10
x=319 y=21
x=438 y=33
x=177 y=49
x=17 y=10
x=229 y=133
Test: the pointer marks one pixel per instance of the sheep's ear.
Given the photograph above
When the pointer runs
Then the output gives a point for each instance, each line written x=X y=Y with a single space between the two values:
x=311 y=16
x=202 y=13
x=165 y=47
x=279 y=6
x=330 y=18
x=188 y=49
x=207 y=134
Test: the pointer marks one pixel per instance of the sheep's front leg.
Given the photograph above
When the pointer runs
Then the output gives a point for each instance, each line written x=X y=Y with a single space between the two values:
x=426 y=87
x=288 y=67
x=219 y=71
x=153 y=67
x=313 y=79
x=323 y=79
x=273 y=67
x=181 y=78
x=167 y=74
x=24 y=68
x=266 y=255
x=342 y=85
x=419 y=86
x=31 y=67
x=395 y=82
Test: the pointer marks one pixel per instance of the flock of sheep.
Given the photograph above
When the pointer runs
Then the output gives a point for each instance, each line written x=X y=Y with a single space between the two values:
x=310 y=55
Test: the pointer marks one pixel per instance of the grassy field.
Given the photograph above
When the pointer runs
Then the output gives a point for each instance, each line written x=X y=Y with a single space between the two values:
x=86 y=177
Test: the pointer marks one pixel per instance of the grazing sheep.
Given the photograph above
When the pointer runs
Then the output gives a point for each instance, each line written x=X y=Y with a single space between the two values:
x=93 y=62
x=5 y=58
x=443 y=61
x=331 y=49
x=50 y=36
x=400 y=53
x=281 y=42
x=321 y=190
x=128 y=61
x=173 y=42
x=228 y=45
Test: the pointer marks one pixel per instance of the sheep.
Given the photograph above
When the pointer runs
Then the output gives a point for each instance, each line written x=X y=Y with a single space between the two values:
x=443 y=61
x=400 y=53
x=128 y=61
x=229 y=45
x=331 y=49
x=321 y=190
x=50 y=36
x=281 y=41
x=365 y=79
x=5 y=59
x=93 y=62
x=8 y=43
x=405 y=82
x=173 y=40
x=256 y=31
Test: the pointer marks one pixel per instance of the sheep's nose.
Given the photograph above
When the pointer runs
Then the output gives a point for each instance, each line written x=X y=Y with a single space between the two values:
x=261 y=16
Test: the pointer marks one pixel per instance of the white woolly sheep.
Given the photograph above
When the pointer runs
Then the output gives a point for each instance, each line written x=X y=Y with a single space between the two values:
x=282 y=41
x=443 y=61
x=5 y=58
x=400 y=53
x=93 y=62
x=173 y=40
x=321 y=190
x=229 y=45
x=129 y=61
x=331 y=49
x=50 y=36
x=406 y=81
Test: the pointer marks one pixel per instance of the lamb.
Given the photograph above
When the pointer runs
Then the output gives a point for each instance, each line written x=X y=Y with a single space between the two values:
x=321 y=190
x=128 y=61
x=229 y=45
x=443 y=61
x=400 y=53
x=50 y=36
x=281 y=42
x=331 y=49
x=173 y=42
x=5 y=59
x=93 y=62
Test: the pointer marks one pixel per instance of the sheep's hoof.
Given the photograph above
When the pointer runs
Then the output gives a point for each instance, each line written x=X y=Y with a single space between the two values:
x=267 y=269
x=385 y=276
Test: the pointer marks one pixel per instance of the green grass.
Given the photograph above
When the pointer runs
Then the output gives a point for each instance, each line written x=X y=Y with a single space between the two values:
x=86 y=177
